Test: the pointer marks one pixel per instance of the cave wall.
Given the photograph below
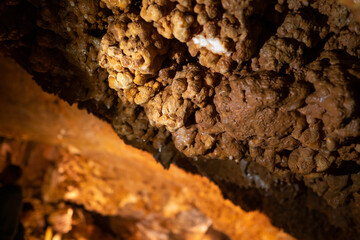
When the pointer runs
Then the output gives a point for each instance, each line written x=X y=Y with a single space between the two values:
x=270 y=114
x=85 y=183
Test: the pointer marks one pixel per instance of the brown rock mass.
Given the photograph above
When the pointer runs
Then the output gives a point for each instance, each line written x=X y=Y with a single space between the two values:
x=260 y=96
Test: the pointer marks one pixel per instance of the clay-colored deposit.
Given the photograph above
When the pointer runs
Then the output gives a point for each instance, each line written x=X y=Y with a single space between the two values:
x=76 y=168
x=260 y=96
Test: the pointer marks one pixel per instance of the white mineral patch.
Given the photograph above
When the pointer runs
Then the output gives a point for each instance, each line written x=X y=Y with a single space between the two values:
x=212 y=44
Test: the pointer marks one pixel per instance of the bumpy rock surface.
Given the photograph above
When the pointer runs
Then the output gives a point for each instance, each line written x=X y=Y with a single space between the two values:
x=260 y=96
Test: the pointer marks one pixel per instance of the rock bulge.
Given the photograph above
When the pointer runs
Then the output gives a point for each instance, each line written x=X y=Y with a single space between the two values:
x=203 y=70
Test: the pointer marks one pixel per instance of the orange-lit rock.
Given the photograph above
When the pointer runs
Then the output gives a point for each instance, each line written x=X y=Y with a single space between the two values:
x=259 y=96
x=70 y=157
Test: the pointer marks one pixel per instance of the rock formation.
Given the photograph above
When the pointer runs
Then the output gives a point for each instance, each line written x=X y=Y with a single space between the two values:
x=259 y=96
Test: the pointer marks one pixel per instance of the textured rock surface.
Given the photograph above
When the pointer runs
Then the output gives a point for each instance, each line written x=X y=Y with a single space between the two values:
x=84 y=195
x=260 y=96
x=93 y=186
